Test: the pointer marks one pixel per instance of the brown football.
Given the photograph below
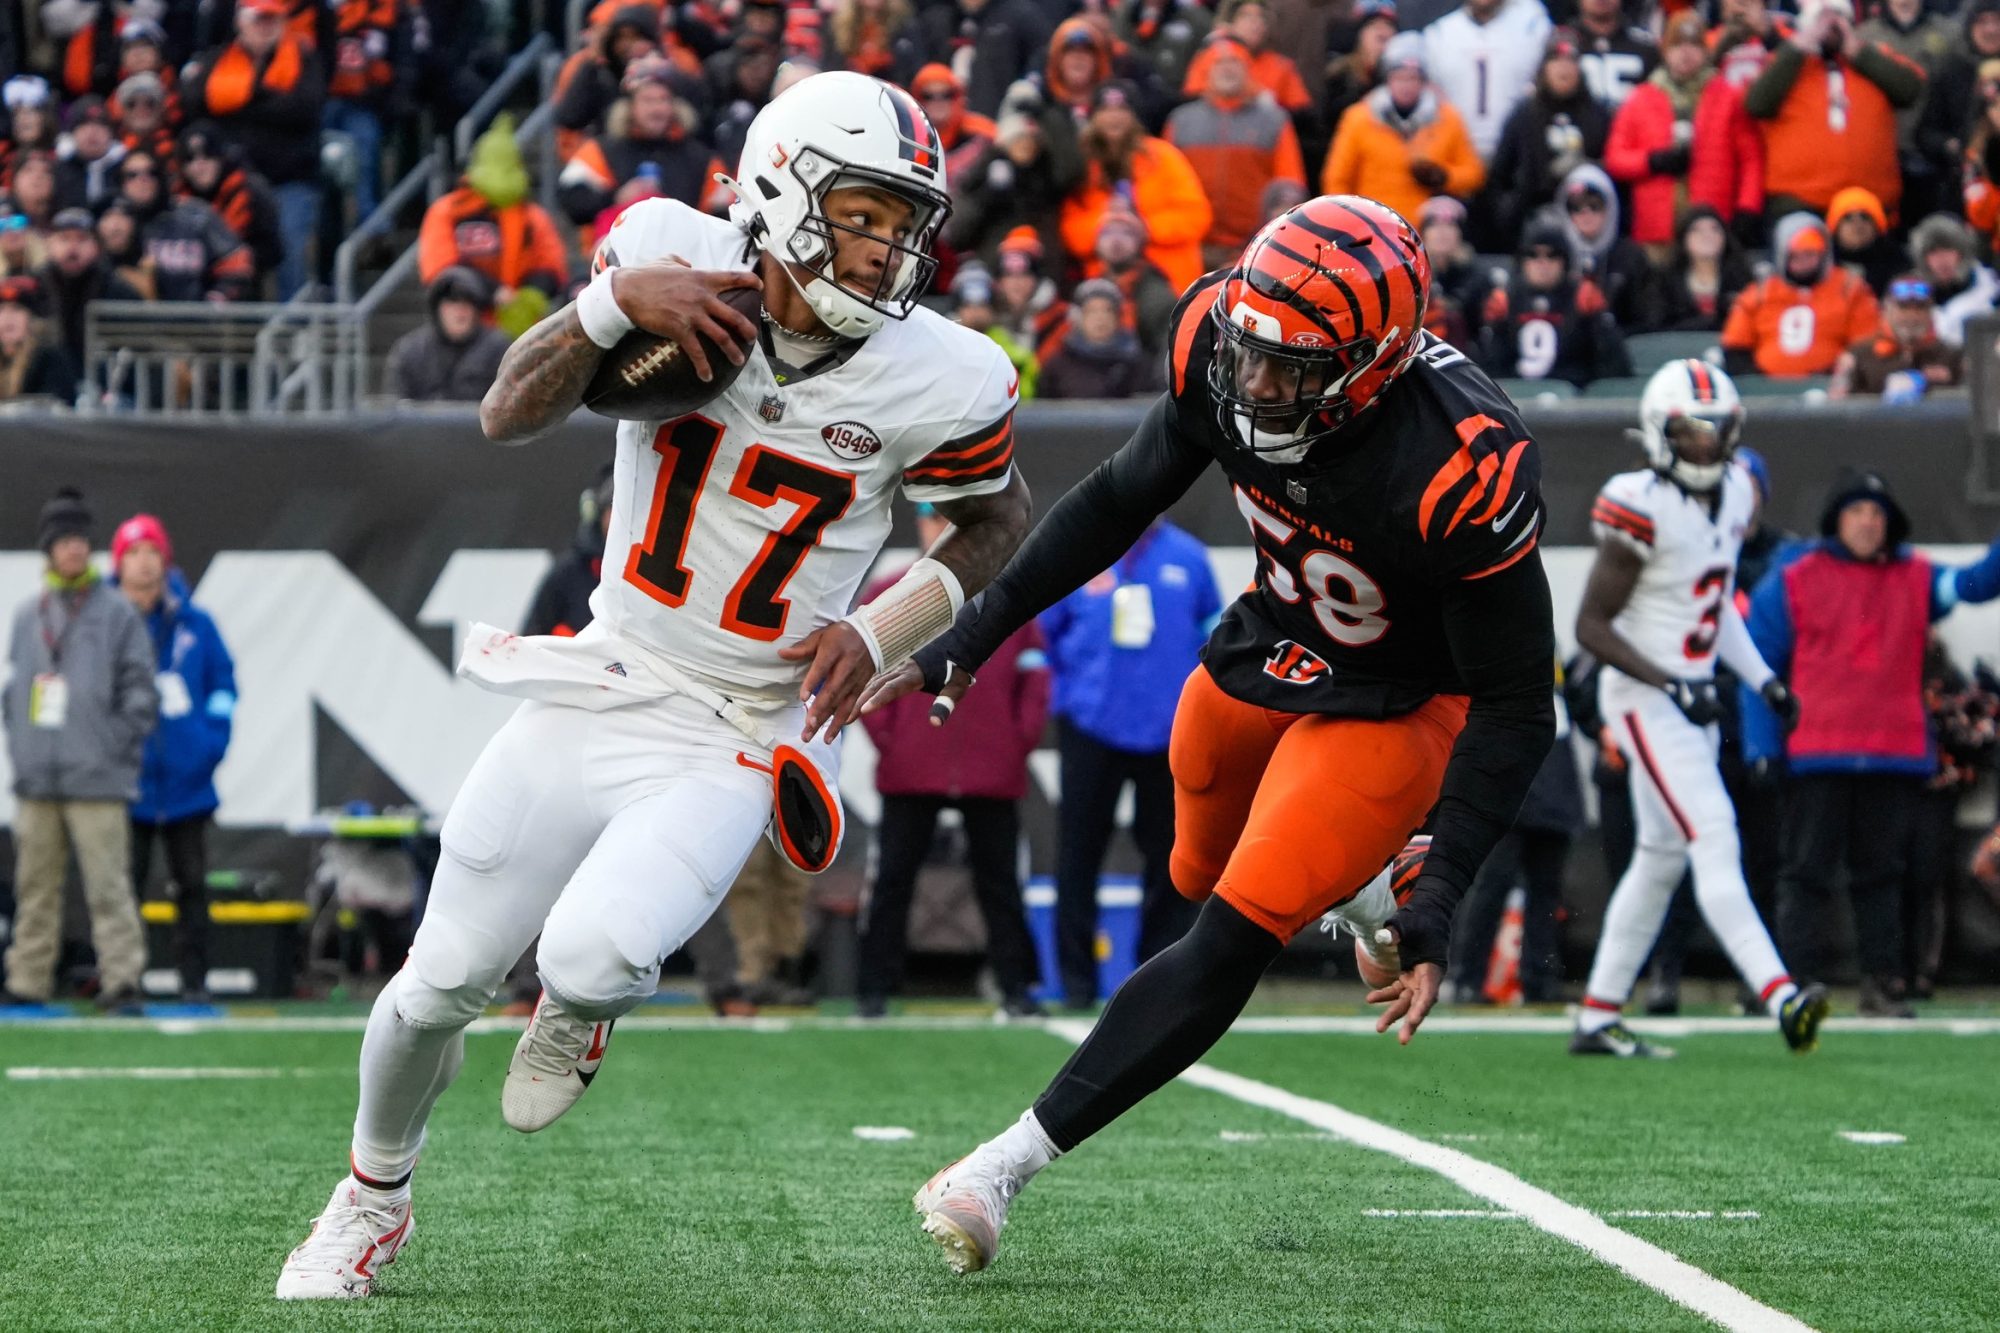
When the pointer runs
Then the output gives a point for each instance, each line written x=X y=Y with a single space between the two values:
x=649 y=378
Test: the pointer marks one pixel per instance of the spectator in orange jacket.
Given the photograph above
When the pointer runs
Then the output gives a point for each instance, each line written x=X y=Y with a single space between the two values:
x=1121 y=158
x=1683 y=139
x=1403 y=143
x=489 y=224
x=1238 y=143
x=1828 y=103
x=1079 y=63
x=965 y=135
x=1804 y=315
x=265 y=92
x=1271 y=71
x=656 y=157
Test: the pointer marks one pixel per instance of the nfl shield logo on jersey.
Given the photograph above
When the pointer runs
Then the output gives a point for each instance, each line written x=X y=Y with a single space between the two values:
x=772 y=408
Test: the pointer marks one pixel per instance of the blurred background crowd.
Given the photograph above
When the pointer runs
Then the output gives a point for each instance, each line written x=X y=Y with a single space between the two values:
x=1809 y=196
x=1812 y=192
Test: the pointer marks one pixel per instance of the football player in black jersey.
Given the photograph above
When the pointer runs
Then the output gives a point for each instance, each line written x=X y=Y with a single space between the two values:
x=1389 y=667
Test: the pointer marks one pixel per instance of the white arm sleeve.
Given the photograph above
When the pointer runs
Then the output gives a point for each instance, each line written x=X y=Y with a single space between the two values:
x=1738 y=650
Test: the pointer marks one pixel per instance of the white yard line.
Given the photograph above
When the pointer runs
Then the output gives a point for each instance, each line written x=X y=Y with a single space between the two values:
x=1672 y=1214
x=1644 y=1262
x=152 y=1073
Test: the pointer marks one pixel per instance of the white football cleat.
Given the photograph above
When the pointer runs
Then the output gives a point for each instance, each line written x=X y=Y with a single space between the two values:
x=964 y=1206
x=553 y=1063
x=352 y=1241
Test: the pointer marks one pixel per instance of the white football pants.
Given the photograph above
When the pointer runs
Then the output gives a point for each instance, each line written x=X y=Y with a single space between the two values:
x=614 y=834
x=1684 y=820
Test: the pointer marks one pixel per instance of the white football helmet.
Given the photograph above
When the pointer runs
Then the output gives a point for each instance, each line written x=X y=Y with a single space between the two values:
x=838 y=129
x=1695 y=392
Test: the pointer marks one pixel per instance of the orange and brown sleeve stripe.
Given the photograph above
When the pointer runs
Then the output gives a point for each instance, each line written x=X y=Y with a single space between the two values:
x=1628 y=521
x=980 y=456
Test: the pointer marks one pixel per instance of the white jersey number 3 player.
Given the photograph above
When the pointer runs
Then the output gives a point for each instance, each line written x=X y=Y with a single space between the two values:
x=614 y=809
x=1658 y=610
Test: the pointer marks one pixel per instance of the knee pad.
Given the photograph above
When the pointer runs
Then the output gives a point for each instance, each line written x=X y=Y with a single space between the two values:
x=434 y=990
x=1192 y=881
x=591 y=971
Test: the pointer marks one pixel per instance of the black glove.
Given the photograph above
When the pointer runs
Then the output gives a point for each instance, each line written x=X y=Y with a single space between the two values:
x=1671 y=161
x=1423 y=923
x=1697 y=700
x=1428 y=174
x=1778 y=697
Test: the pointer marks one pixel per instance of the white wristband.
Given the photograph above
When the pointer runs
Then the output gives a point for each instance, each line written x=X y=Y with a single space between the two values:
x=597 y=310
x=916 y=609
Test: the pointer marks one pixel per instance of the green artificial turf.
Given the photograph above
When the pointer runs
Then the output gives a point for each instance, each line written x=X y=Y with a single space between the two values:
x=712 y=1180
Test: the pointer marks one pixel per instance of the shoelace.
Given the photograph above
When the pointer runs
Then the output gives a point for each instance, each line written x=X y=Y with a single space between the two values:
x=556 y=1042
x=336 y=1234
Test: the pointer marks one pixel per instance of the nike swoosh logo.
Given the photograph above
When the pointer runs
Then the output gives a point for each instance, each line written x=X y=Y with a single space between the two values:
x=1500 y=523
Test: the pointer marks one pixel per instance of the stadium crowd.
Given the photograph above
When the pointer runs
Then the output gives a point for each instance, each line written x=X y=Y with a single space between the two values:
x=1815 y=189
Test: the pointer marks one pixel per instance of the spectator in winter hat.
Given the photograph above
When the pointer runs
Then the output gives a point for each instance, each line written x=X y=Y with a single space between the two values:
x=1694 y=290
x=1799 y=319
x=591 y=79
x=30 y=125
x=1459 y=282
x=1945 y=255
x=1860 y=237
x=197 y=688
x=143 y=123
x=1122 y=160
x=1237 y=143
x=1586 y=208
x=1403 y=143
x=965 y=135
x=87 y=167
x=972 y=299
x=21 y=248
x=1546 y=323
x=75 y=274
x=1097 y=355
x=1905 y=359
x=1149 y=297
x=456 y=355
x=213 y=172
x=1557 y=128
x=1024 y=296
x=77 y=708
x=1248 y=24
x=656 y=156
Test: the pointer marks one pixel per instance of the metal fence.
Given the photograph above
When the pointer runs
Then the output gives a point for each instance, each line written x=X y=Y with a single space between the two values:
x=220 y=360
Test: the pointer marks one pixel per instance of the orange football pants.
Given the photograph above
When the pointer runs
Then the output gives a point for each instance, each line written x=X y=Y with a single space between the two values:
x=1286 y=815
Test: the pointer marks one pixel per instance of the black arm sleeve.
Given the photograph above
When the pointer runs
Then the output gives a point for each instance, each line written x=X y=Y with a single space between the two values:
x=1502 y=635
x=1081 y=536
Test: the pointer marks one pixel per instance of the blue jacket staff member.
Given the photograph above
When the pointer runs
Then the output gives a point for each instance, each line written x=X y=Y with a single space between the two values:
x=1844 y=621
x=197 y=687
x=1119 y=650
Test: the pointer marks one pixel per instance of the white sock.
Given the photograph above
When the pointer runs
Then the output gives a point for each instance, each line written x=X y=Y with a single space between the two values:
x=403 y=1071
x=1025 y=1147
x=1589 y=1018
x=1774 y=1003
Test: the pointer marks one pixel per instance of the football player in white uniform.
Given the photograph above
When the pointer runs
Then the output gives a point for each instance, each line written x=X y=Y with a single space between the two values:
x=614 y=809
x=1658 y=610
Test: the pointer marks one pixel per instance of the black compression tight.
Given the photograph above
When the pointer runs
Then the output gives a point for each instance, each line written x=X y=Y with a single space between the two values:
x=1162 y=1020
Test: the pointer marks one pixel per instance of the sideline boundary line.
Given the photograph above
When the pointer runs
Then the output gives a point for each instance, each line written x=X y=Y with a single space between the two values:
x=1440 y=1025
x=1644 y=1262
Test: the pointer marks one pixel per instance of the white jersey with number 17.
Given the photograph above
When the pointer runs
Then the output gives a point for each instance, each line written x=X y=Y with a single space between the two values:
x=1675 y=612
x=740 y=529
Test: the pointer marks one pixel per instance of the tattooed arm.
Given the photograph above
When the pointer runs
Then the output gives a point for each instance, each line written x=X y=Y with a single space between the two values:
x=541 y=380
x=985 y=531
x=543 y=375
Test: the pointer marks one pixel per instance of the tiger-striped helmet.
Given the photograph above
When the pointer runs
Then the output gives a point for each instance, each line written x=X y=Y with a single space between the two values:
x=1319 y=317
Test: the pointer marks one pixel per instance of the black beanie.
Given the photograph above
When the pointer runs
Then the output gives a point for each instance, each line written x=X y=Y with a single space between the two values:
x=1853 y=487
x=65 y=515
